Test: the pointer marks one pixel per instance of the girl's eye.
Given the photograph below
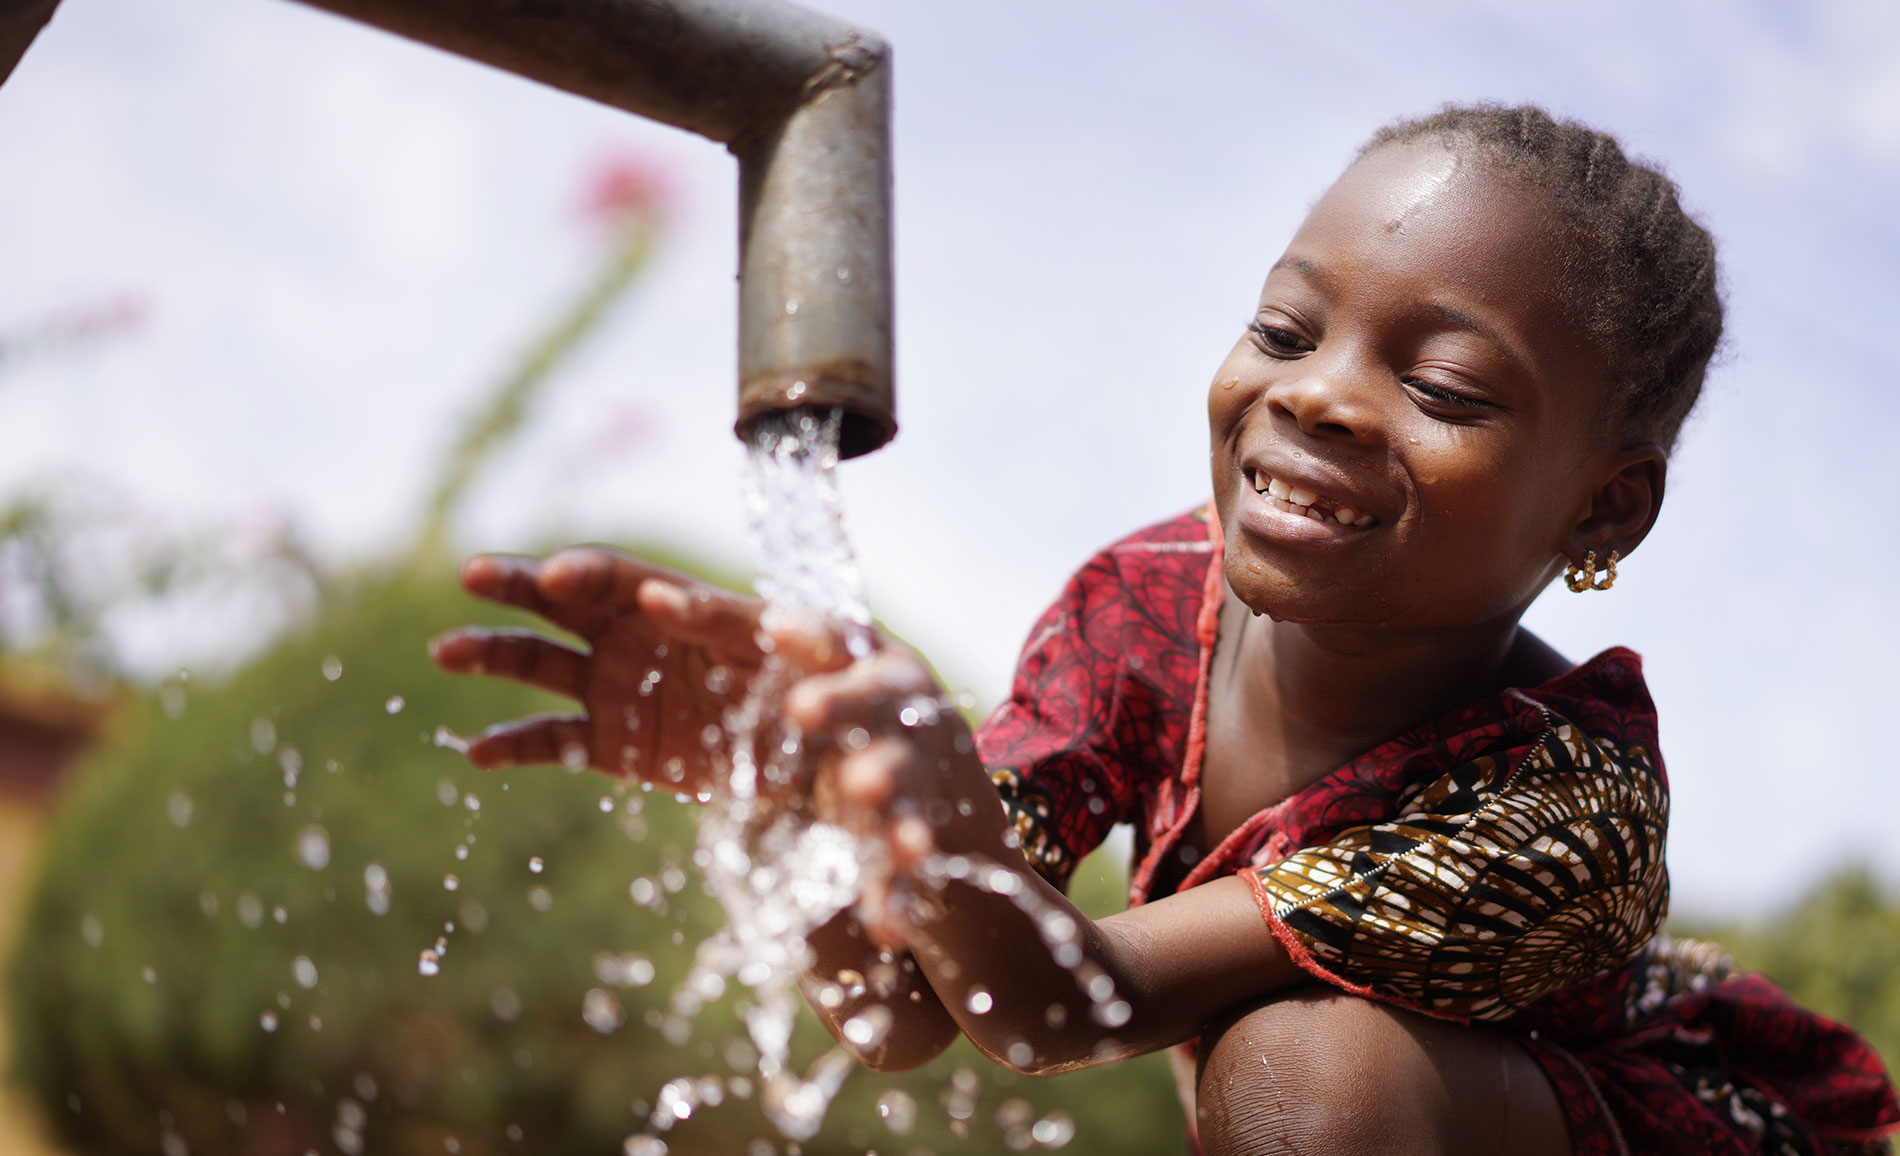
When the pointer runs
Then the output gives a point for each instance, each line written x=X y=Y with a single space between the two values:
x=1444 y=398
x=1282 y=342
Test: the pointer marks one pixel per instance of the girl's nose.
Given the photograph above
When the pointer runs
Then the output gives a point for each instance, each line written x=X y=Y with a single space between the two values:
x=1328 y=401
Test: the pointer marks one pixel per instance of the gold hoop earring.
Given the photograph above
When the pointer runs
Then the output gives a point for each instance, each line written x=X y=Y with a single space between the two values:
x=1585 y=577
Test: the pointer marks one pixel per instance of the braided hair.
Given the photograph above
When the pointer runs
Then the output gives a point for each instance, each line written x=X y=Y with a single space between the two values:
x=1644 y=268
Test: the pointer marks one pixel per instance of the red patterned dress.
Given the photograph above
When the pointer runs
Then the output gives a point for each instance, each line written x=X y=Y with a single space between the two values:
x=1500 y=864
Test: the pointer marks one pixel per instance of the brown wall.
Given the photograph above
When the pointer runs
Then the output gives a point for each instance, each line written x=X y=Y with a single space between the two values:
x=22 y=830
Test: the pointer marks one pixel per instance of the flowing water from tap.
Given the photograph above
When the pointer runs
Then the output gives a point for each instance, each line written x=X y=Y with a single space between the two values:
x=778 y=873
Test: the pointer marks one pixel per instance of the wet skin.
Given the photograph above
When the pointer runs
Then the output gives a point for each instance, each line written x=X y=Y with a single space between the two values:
x=1411 y=357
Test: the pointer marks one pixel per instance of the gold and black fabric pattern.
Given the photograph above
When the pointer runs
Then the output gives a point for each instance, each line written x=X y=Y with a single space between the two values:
x=1493 y=886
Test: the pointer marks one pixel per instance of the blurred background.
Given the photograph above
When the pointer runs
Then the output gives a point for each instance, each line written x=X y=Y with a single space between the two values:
x=293 y=312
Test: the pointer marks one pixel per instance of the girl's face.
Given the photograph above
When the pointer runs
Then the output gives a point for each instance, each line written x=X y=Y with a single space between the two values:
x=1409 y=433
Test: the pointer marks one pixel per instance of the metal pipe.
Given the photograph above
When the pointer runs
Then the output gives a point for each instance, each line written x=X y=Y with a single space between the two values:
x=803 y=102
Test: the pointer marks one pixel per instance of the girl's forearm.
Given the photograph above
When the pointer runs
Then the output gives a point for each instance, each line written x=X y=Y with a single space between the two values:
x=1041 y=988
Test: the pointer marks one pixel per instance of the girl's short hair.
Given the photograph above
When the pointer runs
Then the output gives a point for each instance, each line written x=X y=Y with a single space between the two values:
x=1644 y=267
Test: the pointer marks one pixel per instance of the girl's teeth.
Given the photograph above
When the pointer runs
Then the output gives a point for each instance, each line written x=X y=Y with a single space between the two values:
x=1294 y=500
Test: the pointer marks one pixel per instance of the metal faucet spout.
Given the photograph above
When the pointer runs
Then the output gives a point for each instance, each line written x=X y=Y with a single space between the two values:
x=802 y=100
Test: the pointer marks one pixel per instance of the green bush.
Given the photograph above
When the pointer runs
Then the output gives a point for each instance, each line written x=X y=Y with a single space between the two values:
x=202 y=970
x=1836 y=949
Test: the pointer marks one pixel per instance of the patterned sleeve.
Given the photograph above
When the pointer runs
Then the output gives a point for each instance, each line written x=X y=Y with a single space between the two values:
x=1494 y=886
x=1053 y=748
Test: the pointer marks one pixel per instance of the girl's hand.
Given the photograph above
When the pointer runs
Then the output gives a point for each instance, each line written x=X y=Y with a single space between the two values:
x=667 y=656
x=896 y=762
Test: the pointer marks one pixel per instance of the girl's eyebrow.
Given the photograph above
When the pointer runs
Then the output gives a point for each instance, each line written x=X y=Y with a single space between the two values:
x=1463 y=320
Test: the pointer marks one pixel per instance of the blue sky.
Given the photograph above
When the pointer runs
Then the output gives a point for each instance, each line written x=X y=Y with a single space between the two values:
x=344 y=237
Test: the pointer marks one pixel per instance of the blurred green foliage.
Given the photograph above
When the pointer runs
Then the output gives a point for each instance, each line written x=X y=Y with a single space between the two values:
x=229 y=831
x=1836 y=949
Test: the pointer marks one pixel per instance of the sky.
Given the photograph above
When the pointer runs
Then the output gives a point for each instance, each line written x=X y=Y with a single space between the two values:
x=339 y=240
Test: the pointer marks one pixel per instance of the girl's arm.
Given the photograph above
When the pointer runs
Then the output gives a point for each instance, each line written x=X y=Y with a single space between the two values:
x=985 y=930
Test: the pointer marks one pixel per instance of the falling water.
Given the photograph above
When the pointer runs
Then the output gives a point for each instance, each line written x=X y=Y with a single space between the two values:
x=778 y=873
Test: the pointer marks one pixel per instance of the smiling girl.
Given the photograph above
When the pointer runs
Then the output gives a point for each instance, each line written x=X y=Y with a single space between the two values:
x=1399 y=879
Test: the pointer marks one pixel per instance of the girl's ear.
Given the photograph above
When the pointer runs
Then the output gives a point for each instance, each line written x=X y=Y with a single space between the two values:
x=1623 y=506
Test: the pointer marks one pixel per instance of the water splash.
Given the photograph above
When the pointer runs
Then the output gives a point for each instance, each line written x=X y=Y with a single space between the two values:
x=778 y=874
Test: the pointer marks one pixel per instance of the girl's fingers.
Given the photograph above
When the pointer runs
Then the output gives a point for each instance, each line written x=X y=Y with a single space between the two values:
x=813 y=647
x=512 y=654
x=870 y=692
x=868 y=778
x=514 y=580
x=698 y=613
x=542 y=739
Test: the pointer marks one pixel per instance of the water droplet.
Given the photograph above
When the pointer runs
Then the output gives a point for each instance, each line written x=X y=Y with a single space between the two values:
x=505 y=1004
x=979 y=1001
x=393 y=704
x=1054 y=1130
x=147 y=974
x=332 y=668
x=535 y=864
x=291 y=763
x=280 y=914
x=376 y=888
x=602 y=1011
x=429 y=962
x=250 y=910
x=719 y=679
x=898 y=1110
x=263 y=735
x=447 y=793
x=267 y=1020
x=448 y=740
x=574 y=756
x=472 y=801
x=540 y=898
x=642 y=1144
x=868 y=1028
x=313 y=847
x=606 y=805
x=791 y=307
x=461 y=852
x=304 y=972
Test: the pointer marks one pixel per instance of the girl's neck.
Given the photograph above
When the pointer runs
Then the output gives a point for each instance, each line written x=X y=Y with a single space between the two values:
x=1332 y=693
